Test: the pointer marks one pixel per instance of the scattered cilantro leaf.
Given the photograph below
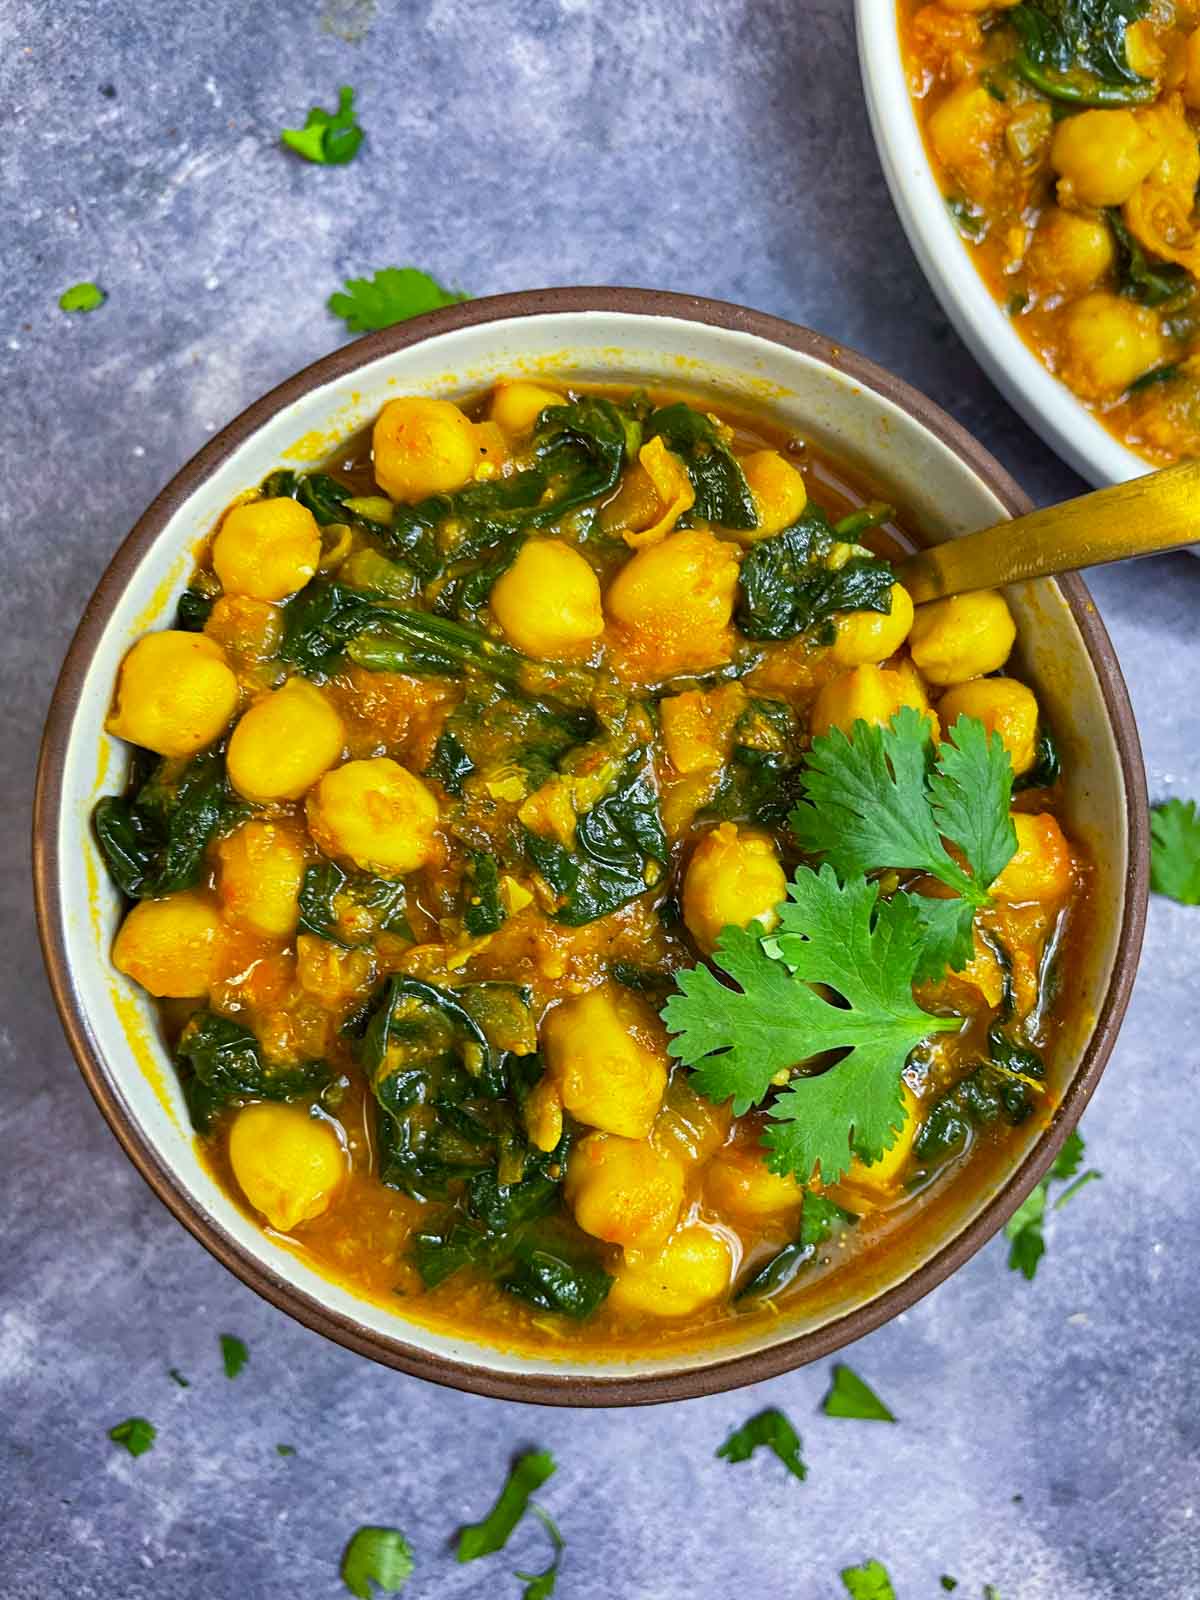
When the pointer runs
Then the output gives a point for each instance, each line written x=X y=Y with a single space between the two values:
x=884 y=797
x=739 y=1039
x=285 y=1449
x=376 y=1556
x=234 y=1354
x=393 y=295
x=948 y=1583
x=330 y=138
x=868 y=1582
x=990 y=1592
x=772 y=1429
x=174 y=1373
x=1025 y=1228
x=1175 y=851
x=82 y=297
x=528 y=1474
x=849 y=1396
x=540 y=1585
x=1068 y=1160
x=135 y=1434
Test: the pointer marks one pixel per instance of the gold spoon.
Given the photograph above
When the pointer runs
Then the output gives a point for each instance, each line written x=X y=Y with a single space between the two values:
x=1140 y=518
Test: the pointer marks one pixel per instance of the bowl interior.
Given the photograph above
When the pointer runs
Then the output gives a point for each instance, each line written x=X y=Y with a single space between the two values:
x=1046 y=404
x=113 y=1024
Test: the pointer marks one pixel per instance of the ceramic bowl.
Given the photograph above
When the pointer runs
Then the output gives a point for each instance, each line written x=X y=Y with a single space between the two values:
x=1048 y=406
x=947 y=485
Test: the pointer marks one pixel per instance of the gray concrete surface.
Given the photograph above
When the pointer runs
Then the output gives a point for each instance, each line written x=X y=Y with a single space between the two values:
x=717 y=146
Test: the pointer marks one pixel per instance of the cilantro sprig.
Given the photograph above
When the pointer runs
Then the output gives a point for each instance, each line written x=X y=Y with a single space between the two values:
x=1175 y=851
x=529 y=1472
x=135 y=1434
x=1025 y=1229
x=330 y=138
x=393 y=295
x=887 y=798
x=740 y=1041
x=82 y=297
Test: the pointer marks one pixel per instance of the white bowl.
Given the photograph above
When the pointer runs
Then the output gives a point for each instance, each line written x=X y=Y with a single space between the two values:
x=946 y=484
x=1048 y=406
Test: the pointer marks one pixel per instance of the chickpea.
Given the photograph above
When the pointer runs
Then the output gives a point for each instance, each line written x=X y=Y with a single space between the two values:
x=778 y=490
x=868 y=694
x=733 y=877
x=1042 y=868
x=739 y=1183
x=377 y=814
x=284 y=743
x=1070 y=253
x=963 y=130
x=548 y=602
x=683 y=587
x=516 y=406
x=288 y=1162
x=691 y=1270
x=1004 y=706
x=963 y=637
x=880 y=1180
x=1102 y=156
x=423 y=447
x=872 y=635
x=267 y=549
x=1108 y=342
x=175 y=694
x=170 y=946
x=623 y=1191
x=250 y=630
x=604 y=1050
x=258 y=880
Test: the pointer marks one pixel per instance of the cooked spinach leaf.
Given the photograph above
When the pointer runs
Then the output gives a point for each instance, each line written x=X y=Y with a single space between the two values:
x=328 y=499
x=350 y=908
x=154 y=838
x=223 y=1066
x=320 y=621
x=1075 y=50
x=617 y=843
x=483 y=911
x=450 y=765
x=820 y=1219
x=986 y=1094
x=193 y=609
x=573 y=1285
x=722 y=494
x=1161 y=284
x=786 y=586
x=762 y=780
x=1047 y=762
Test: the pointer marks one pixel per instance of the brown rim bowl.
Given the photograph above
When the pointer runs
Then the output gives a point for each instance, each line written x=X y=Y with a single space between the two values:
x=946 y=483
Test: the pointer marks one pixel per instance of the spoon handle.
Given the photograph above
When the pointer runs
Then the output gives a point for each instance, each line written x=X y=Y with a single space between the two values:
x=1143 y=517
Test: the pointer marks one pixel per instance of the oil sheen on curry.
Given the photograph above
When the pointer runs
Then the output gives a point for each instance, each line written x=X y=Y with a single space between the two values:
x=587 y=903
x=1064 y=136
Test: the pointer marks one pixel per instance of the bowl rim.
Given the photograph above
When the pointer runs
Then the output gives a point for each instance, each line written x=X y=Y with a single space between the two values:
x=1042 y=399
x=723 y=1371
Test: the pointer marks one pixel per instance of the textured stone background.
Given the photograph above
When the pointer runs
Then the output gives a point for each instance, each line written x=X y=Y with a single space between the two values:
x=717 y=146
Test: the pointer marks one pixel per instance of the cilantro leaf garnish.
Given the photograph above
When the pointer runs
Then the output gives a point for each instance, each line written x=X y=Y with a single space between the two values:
x=376 y=1556
x=1175 y=851
x=178 y=1377
x=868 y=1582
x=135 y=1434
x=772 y=1429
x=540 y=1585
x=482 y=1538
x=849 y=1396
x=330 y=138
x=884 y=797
x=234 y=1355
x=1025 y=1228
x=739 y=1040
x=948 y=1583
x=393 y=295
x=82 y=297
x=285 y=1449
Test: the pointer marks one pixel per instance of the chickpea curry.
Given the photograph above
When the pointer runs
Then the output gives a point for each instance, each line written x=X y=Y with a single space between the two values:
x=1065 y=135
x=584 y=898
